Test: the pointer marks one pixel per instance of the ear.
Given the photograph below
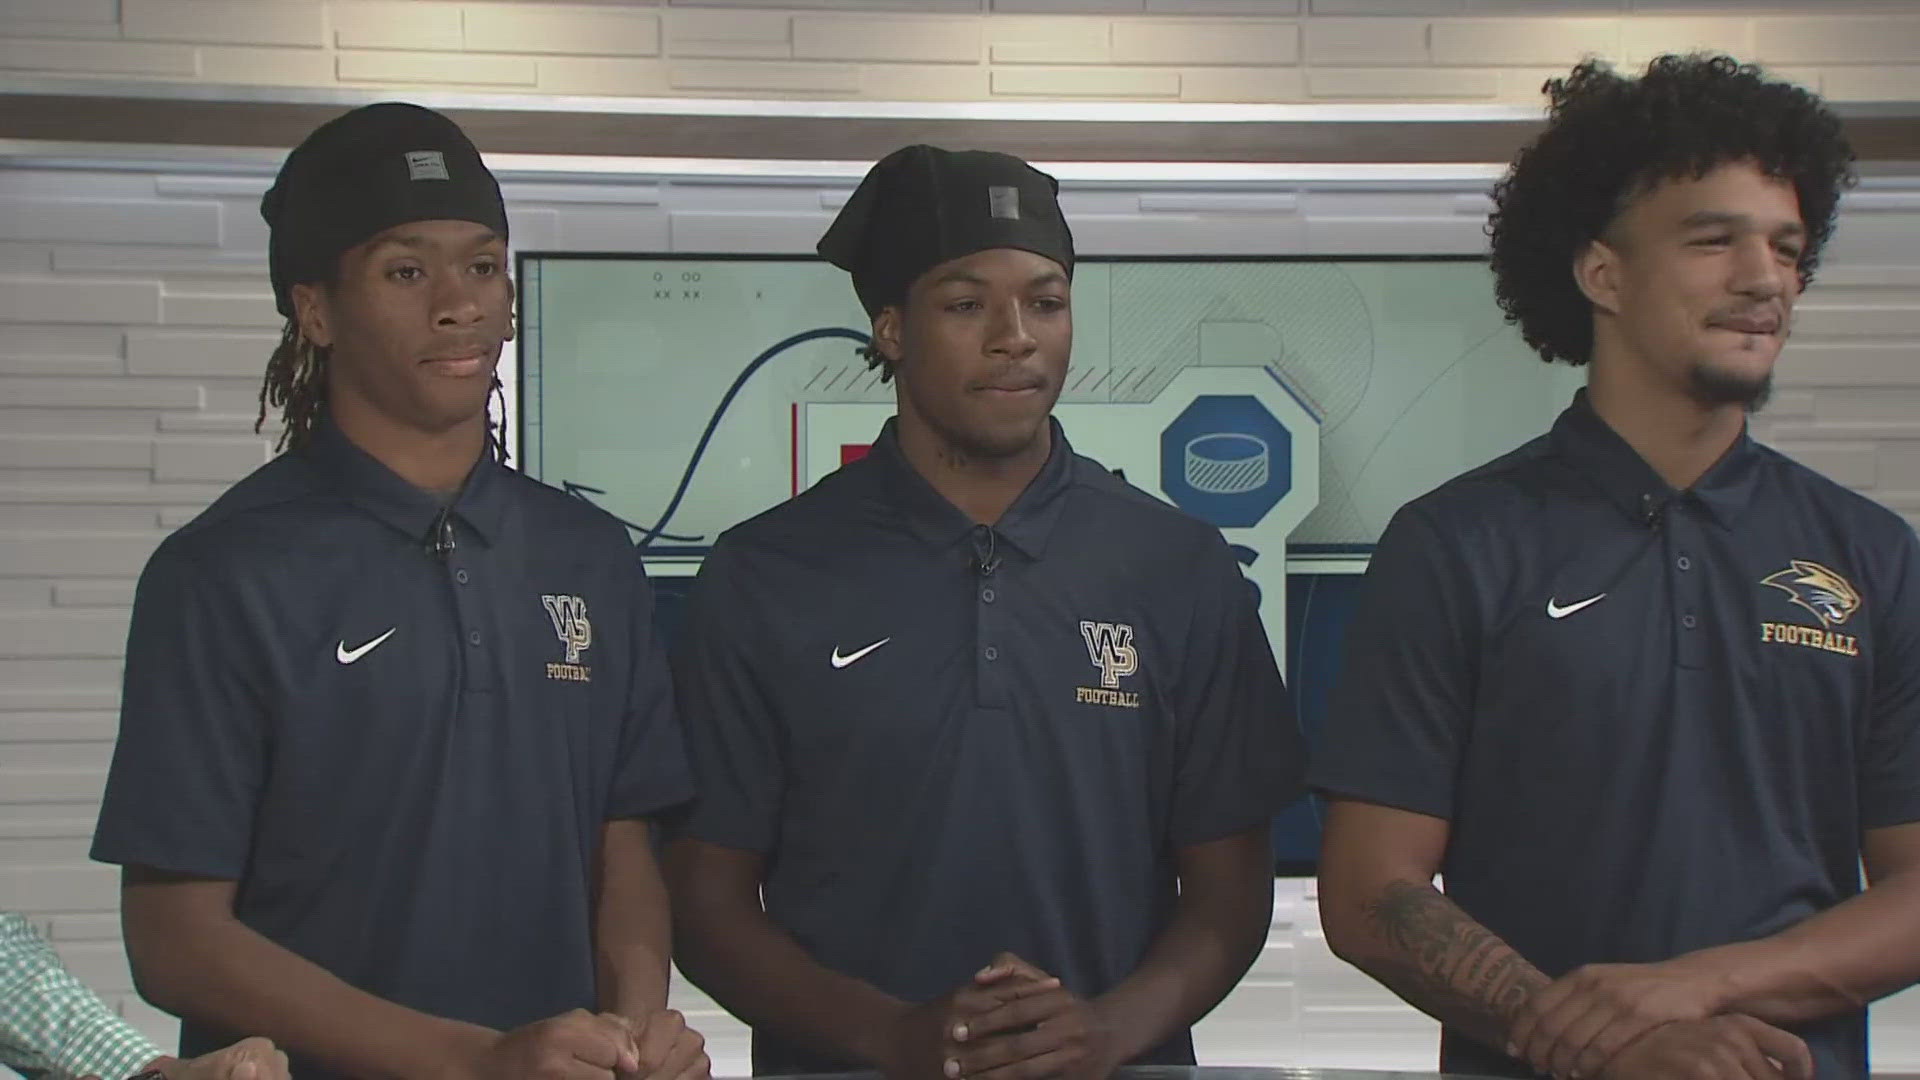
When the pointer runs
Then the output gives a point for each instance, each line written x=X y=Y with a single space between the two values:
x=312 y=314
x=1596 y=270
x=513 y=317
x=886 y=335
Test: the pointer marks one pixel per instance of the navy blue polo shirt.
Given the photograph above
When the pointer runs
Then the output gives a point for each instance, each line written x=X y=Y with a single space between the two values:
x=404 y=759
x=1657 y=721
x=950 y=740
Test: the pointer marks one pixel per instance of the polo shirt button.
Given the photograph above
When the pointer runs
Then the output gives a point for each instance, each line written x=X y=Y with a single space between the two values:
x=992 y=653
x=461 y=576
x=986 y=595
x=1684 y=563
x=1688 y=620
x=473 y=636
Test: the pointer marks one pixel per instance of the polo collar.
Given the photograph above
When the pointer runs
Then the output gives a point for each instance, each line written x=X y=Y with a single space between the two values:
x=1026 y=525
x=370 y=485
x=1598 y=452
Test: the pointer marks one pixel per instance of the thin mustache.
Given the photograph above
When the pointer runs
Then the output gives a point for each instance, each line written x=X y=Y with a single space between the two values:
x=1016 y=374
x=464 y=351
x=1752 y=310
x=1752 y=314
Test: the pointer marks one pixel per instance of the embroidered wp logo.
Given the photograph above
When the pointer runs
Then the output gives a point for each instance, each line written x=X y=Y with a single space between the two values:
x=1110 y=647
x=569 y=614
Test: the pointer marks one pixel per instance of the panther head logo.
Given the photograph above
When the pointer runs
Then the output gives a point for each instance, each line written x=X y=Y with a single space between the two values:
x=1814 y=587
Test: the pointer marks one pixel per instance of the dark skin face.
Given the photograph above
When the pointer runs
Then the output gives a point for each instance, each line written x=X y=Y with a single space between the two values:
x=416 y=321
x=979 y=352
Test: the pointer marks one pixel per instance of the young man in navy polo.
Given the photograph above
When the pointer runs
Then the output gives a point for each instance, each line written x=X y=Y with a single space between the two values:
x=1644 y=692
x=988 y=741
x=394 y=716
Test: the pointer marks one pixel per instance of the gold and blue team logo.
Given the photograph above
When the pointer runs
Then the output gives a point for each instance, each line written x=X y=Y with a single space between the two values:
x=570 y=625
x=1829 y=597
x=1110 y=648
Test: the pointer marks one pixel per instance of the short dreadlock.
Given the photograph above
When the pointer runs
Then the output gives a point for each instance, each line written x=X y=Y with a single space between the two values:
x=296 y=384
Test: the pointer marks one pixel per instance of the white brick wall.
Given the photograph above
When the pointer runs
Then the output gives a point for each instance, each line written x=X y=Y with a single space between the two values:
x=128 y=368
x=903 y=39
x=1271 y=50
x=394 y=24
x=224 y=22
x=583 y=31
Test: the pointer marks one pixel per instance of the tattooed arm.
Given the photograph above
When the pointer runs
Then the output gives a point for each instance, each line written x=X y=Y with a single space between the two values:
x=1382 y=914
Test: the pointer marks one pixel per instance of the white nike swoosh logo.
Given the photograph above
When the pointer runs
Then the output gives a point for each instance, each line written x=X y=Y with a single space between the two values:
x=1555 y=611
x=348 y=656
x=842 y=661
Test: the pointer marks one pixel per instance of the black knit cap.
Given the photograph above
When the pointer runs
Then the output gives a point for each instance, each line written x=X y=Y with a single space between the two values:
x=921 y=206
x=361 y=174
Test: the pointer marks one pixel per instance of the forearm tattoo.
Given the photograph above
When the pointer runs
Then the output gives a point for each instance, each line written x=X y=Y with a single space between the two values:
x=1446 y=964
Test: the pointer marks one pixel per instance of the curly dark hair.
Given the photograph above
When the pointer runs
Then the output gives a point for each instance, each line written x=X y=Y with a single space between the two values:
x=1609 y=138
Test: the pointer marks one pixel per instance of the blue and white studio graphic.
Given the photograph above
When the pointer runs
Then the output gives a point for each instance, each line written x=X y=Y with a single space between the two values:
x=1226 y=459
x=1293 y=404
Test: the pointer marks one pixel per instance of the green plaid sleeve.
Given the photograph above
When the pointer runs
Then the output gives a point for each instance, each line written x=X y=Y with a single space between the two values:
x=50 y=1022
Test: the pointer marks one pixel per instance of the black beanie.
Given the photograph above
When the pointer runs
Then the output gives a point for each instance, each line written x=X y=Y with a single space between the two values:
x=921 y=206
x=361 y=174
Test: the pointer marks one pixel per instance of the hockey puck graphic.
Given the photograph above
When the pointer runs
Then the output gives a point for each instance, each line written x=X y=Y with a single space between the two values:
x=1227 y=463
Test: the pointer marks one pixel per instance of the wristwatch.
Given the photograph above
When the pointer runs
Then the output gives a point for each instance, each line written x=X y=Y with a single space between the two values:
x=150 y=1074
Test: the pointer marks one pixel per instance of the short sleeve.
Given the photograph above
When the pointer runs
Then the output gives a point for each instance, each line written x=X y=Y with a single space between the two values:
x=733 y=735
x=1399 y=710
x=191 y=758
x=1890 y=764
x=1241 y=757
x=652 y=773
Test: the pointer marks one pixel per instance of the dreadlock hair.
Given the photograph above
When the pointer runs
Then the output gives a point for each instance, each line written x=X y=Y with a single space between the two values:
x=894 y=295
x=296 y=384
x=876 y=359
x=1610 y=138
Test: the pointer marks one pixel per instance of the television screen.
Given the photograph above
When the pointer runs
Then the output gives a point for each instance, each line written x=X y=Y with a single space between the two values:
x=1295 y=403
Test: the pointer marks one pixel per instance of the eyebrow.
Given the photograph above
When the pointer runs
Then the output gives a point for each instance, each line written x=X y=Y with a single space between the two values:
x=965 y=277
x=418 y=242
x=957 y=277
x=1701 y=219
